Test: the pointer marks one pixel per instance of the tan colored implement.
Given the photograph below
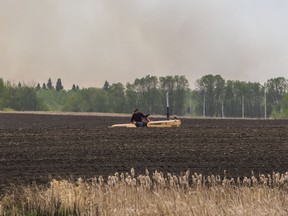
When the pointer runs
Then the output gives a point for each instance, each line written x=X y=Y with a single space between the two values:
x=152 y=124
x=165 y=123
x=129 y=125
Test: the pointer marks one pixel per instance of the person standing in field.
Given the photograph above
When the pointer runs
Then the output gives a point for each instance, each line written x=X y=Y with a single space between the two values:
x=137 y=118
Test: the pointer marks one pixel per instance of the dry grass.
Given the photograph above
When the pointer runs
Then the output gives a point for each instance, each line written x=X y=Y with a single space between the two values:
x=151 y=194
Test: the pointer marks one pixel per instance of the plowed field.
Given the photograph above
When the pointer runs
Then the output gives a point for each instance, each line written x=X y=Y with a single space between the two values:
x=37 y=147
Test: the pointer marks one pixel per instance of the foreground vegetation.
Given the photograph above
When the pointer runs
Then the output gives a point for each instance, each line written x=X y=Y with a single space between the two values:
x=151 y=194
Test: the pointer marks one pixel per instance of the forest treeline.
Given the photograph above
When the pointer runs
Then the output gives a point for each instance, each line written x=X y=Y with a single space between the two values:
x=213 y=96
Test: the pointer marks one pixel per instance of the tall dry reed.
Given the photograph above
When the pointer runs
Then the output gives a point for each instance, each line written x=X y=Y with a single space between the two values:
x=152 y=194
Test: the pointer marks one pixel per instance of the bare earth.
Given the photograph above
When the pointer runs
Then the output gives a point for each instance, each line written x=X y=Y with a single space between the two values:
x=38 y=147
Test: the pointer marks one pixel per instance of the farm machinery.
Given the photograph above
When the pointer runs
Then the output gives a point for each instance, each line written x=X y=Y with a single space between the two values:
x=169 y=122
x=153 y=124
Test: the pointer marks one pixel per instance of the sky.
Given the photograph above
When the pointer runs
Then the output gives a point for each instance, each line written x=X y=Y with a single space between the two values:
x=90 y=41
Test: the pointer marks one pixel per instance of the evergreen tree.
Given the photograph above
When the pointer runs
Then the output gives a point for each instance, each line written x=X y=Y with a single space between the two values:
x=73 y=87
x=106 y=86
x=44 y=86
x=50 y=84
x=38 y=87
x=59 y=85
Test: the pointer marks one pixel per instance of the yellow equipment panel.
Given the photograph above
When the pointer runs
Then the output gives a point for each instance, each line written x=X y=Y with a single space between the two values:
x=164 y=123
x=152 y=124
x=129 y=125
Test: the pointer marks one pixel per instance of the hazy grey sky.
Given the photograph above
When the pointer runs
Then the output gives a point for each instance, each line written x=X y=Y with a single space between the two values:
x=87 y=42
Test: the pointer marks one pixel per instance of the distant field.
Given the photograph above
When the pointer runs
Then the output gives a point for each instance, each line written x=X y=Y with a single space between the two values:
x=66 y=113
x=37 y=146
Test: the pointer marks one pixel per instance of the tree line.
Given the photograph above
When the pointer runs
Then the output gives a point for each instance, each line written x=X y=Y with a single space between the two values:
x=213 y=96
x=217 y=97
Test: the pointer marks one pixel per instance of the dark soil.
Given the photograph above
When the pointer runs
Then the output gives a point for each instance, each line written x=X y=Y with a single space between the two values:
x=38 y=147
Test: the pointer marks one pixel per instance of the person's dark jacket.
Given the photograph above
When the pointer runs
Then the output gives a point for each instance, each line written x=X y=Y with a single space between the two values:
x=137 y=117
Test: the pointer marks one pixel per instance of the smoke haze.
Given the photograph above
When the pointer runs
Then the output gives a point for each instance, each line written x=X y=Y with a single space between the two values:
x=91 y=41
